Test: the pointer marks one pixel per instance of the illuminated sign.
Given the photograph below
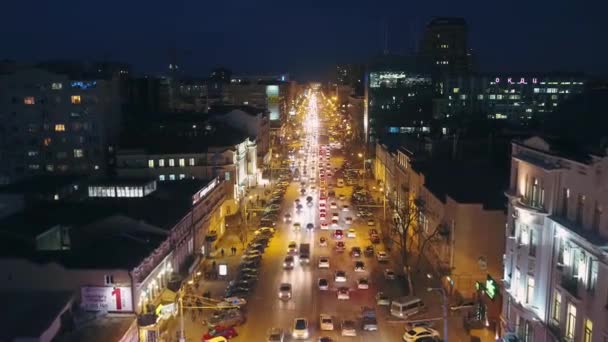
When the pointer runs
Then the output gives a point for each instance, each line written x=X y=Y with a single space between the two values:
x=396 y=79
x=490 y=287
x=517 y=80
x=106 y=298
x=223 y=269
x=204 y=191
x=272 y=96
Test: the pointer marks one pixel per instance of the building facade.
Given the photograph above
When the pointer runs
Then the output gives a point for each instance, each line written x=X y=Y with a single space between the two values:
x=57 y=123
x=445 y=45
x=514 y=97
x=556 y=262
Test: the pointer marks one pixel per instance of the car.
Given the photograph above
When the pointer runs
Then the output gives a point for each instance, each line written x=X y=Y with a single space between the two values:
x=348 y=328
x=300 y=328
x=375 y=239
x=338 y=234
x=309 y=199
x=359 y=266
x=228 y=318
x=303 y=191
x=389 y=274
x=333 y=205
x=373 y=232
x=299 y=207
x=334 y=223
x=420 y=333
x=341 y=197
x=382 y=256
x=287 y=218
x=288 y=263
x=292 y=248
x=382 y=299
x=340 y=277
x=323 y=284
x=363 y=283
x=324 y=226
x=340 y=246
x=351 y=233
x=275 y=335
x=421 y=324
x=297 y=226
x=371 y=222
x=369 y=251
x=348 y=220
x=343 y=293
x=322 y=205
x=322 y=217
x=326 y=322
x=310 y=226
x=335 y=216
x=264 y=231
x=355 y=252
x=285 y=291
x=345 y=208
x=220 y=331
x=297 y=201
x=323 y=262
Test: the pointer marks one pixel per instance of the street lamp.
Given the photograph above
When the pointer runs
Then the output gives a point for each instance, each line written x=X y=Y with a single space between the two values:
x=445 y=310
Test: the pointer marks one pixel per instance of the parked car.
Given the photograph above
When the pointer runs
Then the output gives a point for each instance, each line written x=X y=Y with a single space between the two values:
x=220 y=330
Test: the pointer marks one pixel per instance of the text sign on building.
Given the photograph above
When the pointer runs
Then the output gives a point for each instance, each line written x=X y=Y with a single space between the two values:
x=516 y=80
x=204 y=191
x=106 y=298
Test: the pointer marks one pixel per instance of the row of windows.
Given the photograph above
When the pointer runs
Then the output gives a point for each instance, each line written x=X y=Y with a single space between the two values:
x=556 y=307
x=52 y=168
x=171 y=162
x=170 y=177
x=30 y=100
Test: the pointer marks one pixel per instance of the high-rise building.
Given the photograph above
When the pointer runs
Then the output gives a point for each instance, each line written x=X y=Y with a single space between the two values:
x=352 y=75
x=59 y=118
x=444 y=45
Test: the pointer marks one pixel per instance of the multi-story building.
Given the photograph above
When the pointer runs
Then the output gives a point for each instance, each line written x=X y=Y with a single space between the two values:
x=122 y=247
x=445 y=45
x=352 y=75
x=355 y=107
x=556 y=261
x=398 y=94
x=514 y=97
x=58 y=119
x=224 y=152
x=269 y=95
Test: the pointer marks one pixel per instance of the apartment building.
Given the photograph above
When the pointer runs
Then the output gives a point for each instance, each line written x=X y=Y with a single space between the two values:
x=58 y=119
x=556 y=259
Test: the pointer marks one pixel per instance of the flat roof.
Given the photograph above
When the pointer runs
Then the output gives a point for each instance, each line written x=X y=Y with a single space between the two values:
x=109 y=328
x=104 y=232
x=30 y=313
x=41 y=184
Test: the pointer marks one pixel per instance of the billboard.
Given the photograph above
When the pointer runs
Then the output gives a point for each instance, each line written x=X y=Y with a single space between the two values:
x=272 y=98
x=106 y=298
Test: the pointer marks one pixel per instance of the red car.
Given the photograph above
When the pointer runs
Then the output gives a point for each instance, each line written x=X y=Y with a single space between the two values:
x=339 y=234
x=220 y=330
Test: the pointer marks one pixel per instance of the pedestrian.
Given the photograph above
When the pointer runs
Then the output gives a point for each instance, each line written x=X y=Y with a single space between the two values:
x=213 y=266
x=222 y=252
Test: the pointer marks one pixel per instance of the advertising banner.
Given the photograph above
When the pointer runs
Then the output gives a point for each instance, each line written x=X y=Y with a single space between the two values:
x=107 y=298
x=272 y=95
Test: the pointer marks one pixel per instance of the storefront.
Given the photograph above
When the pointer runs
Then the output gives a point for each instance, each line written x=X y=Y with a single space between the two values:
x=487 y=307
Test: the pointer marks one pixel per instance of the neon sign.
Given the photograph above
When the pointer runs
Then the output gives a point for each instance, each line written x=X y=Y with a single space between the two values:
x=490 y=287
x=513 y=80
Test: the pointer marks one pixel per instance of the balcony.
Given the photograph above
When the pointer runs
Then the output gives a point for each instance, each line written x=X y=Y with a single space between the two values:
x=570 y=284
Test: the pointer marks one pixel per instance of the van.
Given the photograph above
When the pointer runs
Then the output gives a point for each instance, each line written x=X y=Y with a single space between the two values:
x=406 y=306
x=340 y=183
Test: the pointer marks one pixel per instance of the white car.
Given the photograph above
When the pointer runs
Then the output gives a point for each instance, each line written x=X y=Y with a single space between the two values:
x=287 y=218
x=297 y=226
x=343 y=293
x=345 y=208
x=333 y=205
x=324 y=226
x=341 y=197
x=340 y=277
x=348 y=220
x=300 y=329
x=363 y=284
x=335 y=216
x=381 y=256
x=389 y=274
x=420 y=333
x=371 y=223
x=348 y=328
x=326 y=322
x=285 y=291
x=323 y=262
x=323 y=284
x=351 y=233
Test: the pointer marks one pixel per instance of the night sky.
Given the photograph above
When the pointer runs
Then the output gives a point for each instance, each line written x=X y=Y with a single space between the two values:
x=305 y=38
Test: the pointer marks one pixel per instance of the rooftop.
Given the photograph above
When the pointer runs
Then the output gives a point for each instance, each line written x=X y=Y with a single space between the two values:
x=226 y=108
x=111 y=327
x=41 y=184
x=30 y=314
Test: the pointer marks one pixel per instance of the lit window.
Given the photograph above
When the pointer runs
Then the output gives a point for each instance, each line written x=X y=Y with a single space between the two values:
x=47 y=141
x=151 y=163
x=161 y=163
x=161 y=178
x=29 y=100
x=588 y=330
x=172 y=177
x=32 y=153
x=191 y=161
x=557 y=304
x=492 y=97
x=182 y=176
x=171 y=162
x=76 y=99
x=227 y=175
x=50 y=167
x=456 y=90
x=570 y=321
x=59 y=128
x=499 y=97
x=34 y=167
x=530 y=290
x=182 y=162
x=56 y=86
x=78 y=153
x=480 y=97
